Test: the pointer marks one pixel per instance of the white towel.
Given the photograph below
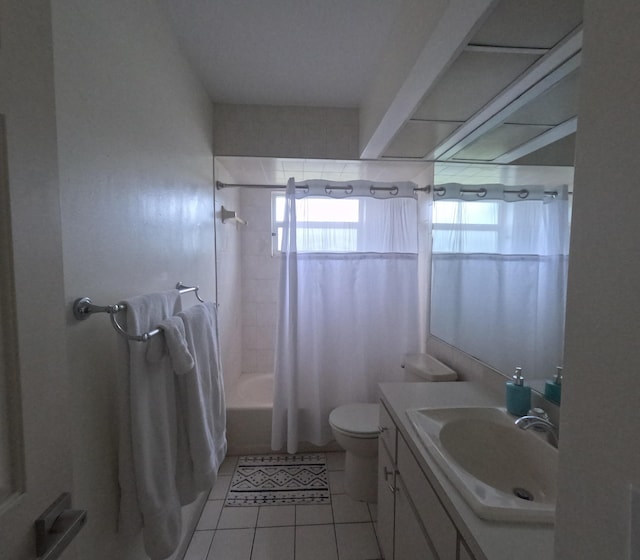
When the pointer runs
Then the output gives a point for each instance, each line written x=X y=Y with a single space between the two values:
x=176 y=345
x=201 y=400
x=148 y=438
x=182 y=362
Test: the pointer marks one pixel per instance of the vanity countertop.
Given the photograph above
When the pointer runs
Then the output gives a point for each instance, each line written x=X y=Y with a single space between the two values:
x=490 y=540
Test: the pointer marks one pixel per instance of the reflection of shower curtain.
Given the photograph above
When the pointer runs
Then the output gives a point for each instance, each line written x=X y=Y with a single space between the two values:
x=500 y=274
x=345 y=318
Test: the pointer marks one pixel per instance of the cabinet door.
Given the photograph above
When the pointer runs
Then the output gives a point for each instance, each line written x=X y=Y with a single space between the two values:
x=440 y=528
x=387 y=431
x=410 y=540
x=386 y=498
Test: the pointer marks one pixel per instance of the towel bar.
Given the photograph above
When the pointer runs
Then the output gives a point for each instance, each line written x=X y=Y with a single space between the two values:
x=83 y=308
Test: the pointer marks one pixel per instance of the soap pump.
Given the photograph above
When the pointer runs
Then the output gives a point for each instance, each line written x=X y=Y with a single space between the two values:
x=553 y=387
x=518 y=395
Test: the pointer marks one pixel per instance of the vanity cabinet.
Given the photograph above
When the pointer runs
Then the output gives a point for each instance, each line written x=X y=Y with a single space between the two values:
x=412 y=523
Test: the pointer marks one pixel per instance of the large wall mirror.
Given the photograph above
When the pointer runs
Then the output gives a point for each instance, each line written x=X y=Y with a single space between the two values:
x=499 y=264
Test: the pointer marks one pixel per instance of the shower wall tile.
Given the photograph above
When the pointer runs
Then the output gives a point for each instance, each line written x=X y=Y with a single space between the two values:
x=260 y=277
x=257 y=361
x=228 y=291
x=250 y=363
x=265 y=314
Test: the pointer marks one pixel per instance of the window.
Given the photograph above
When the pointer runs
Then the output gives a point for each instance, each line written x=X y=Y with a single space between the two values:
x=470 y=227
x=348 y=225
x=323 y=224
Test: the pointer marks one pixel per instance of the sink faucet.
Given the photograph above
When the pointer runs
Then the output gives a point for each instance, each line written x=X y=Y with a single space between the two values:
x=526 y=422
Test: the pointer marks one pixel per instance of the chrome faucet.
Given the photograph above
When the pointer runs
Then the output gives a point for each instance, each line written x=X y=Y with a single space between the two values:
x=526 y=422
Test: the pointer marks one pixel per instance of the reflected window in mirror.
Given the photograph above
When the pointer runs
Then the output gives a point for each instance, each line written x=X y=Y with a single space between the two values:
x=499 y=267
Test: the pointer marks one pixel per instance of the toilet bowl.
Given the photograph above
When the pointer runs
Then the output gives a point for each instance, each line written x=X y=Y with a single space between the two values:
x=355 y=429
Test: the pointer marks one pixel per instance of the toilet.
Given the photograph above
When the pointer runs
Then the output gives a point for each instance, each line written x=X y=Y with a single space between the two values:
x=355 y=428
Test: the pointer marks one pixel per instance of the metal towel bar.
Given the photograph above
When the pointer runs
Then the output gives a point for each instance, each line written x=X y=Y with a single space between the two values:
x=83 y=308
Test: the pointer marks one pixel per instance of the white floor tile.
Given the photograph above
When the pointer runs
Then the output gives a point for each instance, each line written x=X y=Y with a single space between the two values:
x=373 y=510
x=335 y=461
x=276 y=516
x=336 y=482
x=232 y=544
x=314 y=515
x=219 y=491
x=273 y=543
x=199 y=545
x=228 y=465
x=210 y=515
x=238 y=517
x=357 y=541
x=348 y=510
x=316 y=542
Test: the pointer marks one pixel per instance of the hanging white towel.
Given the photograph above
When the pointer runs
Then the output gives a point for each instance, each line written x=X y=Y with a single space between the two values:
x=147 y=427
x=182 y=362
x=201 y=402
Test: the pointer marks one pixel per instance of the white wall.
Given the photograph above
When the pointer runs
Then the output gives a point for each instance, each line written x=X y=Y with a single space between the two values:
x=599 y=451
x=136 y=182
x=292 y=132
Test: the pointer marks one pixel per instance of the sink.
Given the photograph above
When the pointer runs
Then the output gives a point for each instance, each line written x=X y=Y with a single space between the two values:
x=504 y=473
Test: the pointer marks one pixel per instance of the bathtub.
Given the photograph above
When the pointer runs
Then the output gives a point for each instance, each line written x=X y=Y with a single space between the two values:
x=249 y=412
x=252 y=390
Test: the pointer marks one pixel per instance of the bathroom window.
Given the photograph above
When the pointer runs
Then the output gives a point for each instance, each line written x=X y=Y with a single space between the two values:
x=469 y=227
x=324 y=225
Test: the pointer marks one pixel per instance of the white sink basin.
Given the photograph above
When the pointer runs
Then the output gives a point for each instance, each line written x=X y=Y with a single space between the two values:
x=503 y=472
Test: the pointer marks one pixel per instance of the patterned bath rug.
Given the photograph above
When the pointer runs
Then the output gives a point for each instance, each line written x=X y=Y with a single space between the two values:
x=279 y=480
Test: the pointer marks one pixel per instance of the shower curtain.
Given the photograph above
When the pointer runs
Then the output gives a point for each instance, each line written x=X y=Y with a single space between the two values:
x=499 y=279
x=348 y=307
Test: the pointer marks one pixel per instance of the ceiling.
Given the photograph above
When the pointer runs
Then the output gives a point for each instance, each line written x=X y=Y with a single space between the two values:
x=320 y=53
x=483 y=81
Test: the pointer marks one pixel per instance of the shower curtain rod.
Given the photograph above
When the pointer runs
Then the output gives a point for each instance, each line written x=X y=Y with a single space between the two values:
x=221 y=185
x=482 y=192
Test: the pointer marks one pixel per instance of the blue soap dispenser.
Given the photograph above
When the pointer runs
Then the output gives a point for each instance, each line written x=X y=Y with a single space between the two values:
x=518 y=395
x=553 y=387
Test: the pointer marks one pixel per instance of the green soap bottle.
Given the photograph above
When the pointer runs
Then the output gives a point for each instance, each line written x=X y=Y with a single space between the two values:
x=553 y=387
x=518 y=395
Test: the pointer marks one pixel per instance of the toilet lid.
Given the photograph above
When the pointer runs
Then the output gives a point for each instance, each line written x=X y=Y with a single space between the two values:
x=357 y=418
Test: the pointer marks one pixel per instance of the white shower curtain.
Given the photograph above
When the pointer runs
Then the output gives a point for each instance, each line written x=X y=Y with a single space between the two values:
x=500 y=275
x=348 y=306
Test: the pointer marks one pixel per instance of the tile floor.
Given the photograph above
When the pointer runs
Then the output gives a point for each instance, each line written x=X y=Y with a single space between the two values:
x=343 y=530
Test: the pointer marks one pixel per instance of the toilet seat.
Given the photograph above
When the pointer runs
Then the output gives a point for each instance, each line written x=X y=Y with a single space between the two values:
x=359 y=420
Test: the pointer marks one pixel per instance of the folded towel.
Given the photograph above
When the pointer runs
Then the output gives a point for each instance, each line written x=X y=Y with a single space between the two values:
x=148 y=433
x=201 y=403
x=175 y=339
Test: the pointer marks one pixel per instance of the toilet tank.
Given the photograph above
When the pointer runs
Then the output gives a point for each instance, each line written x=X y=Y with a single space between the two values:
x=424 y=367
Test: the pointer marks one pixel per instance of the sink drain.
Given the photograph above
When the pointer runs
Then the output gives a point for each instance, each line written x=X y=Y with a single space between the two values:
x=523 y=494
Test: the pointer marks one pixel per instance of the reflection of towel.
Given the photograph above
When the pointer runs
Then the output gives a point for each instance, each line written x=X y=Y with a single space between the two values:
x=147 y=416
x=201 y=399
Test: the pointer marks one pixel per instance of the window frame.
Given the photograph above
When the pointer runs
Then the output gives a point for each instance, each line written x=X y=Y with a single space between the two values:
x=278 y=225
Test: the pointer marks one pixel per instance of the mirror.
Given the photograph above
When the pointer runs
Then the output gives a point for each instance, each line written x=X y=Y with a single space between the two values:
x=500 y=316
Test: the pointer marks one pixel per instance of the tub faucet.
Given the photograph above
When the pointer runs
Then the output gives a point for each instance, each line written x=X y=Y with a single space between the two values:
x=526 y=422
